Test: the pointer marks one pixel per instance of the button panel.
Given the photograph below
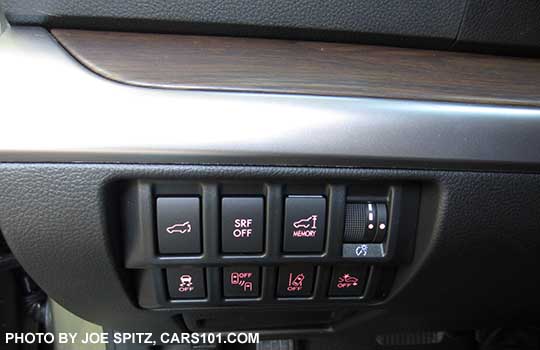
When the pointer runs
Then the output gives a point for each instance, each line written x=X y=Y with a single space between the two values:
x=179 y=225
x=242 y=222
x=267 y=244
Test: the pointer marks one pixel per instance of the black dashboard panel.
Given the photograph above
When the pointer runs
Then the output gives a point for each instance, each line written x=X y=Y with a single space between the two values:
x=83 y=169
x=509 y=27
x=399 y=22
x=63 y=222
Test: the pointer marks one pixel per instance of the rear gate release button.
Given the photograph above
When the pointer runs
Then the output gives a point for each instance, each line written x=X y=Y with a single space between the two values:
x=179 y=225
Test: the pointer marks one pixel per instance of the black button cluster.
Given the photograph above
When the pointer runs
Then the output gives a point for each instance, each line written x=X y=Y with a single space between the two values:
x=242 y=225
x=245 y=282
x=242 y=231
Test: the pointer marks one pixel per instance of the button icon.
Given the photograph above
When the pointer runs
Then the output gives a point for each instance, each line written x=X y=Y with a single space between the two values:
x=348 y=280
x=310 y=223
x=295 y=281
x=241 y=281
x=361 y=250
x=305 y=227
x=186 y=283
x=180 y=228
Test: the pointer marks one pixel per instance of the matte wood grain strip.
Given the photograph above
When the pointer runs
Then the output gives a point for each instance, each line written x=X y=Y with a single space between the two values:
x=294 y=67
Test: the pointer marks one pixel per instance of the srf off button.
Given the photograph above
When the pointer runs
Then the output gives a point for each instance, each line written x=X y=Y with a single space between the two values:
x=242 y=222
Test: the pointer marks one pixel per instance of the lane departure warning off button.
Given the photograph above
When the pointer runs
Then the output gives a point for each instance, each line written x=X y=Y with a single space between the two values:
x=305 y=222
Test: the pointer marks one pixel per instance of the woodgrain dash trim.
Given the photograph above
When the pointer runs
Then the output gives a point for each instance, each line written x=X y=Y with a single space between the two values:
x=297 y=67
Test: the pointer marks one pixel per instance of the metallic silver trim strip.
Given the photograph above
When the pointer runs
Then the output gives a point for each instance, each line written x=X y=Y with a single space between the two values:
x=53 y=109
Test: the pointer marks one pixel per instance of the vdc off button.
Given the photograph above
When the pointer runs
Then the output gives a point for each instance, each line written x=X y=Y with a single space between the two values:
x=242 y=224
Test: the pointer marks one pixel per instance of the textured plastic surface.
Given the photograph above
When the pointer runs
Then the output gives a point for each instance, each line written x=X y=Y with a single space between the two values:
x=510 y=27
x=408 y=339
x=401 y=21
x=59 y=221
x=356 y=223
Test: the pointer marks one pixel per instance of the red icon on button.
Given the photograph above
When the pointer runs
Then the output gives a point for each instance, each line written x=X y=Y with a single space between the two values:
x=305 y=227
x=296 y=283
x=186 y=284
x=346 y=281
x=242 y=279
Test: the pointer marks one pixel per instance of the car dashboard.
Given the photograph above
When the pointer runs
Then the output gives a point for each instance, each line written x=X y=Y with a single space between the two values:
x=342 y=186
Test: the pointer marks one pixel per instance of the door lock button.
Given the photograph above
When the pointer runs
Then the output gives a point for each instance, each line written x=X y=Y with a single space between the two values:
x=305 y=224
